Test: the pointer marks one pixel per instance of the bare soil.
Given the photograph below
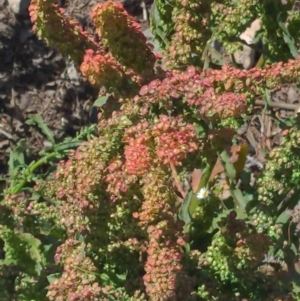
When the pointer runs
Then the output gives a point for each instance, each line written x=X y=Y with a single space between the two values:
x=37 y=80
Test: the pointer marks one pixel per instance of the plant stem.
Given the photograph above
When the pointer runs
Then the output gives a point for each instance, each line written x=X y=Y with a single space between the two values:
x=279 y=105
x=31 y=168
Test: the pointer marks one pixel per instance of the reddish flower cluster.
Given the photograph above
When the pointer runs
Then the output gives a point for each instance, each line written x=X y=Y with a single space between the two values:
x=170 y=138
x=164 y=253
x=137 y=151
x=124 y=155
x=122 y=34
x=174 y=139
x=163 y=267
x=77 y=282
x=117 y=179
x=198 y=90
x=216 y=93
x=101 y=69
x=51 y=24
x=236 y=80
x=138 y=158
x=76 y=180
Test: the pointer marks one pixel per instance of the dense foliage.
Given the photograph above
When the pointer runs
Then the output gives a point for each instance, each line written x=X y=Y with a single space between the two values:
x=156 y=203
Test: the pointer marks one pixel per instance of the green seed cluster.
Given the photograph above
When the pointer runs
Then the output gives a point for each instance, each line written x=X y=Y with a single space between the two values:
x=274 y=184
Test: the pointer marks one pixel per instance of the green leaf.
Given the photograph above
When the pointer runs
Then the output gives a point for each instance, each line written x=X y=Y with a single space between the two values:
x=39 y=121
x=296 y=288
x=184 y=214
x=105 y=278
x=201 y=129
x=30 y=239
x=241 y=213
x=45 y=227
x=79 y=237
x=122 y=277
x=52 y=277
x=158 y=25
x=283 y=218
x=65 y=146
x=187 y=248
x=38 y=268
x=239 y=198
x=47 y=248
x=16 y=163
x=8 y=261
x=217 y=219
x=289 y=40
x=126 y=121
x=267 y=98
x=229 y=167
x=16 y=157
x=101 y=101
x=35 y=254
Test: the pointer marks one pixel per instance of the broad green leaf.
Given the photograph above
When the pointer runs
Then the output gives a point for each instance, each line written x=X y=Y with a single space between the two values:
x=239 y=198
x=38 y=268
x=184 y=213
x=125 y=120
x=289 y=40
x=267 y=98
x=158 y=25
x=156 y=22
x=229 y=167
x=216 y=57
x=34 y=250
x=101 y=101
x=16 y=163
x=16 y=157
x=30 y=239
x=47 y=248
x=45 y=227
x=35 y=254
x=201 y=129
x=105 y=278
x=79 y=237
x=294 y=249
x=241 y=213
x=8 y=261
x=218 y=218
x=122 y=277
x=39 y=121
x=296 y=288
x=52 y=277
x=283 y=218
x=187 y=248
x=65 y=146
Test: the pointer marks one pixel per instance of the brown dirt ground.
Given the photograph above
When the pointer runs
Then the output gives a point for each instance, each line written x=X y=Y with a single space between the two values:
x=37 y=80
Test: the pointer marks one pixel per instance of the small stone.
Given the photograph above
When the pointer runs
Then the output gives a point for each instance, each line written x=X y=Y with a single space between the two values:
x=246 y=57
x=19 y=7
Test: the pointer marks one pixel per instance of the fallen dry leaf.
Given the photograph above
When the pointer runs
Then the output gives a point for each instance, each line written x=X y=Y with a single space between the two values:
x=218 y=168
x=196 y=178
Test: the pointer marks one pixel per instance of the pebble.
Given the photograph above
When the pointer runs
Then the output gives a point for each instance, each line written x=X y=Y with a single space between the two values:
x=19 y=7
